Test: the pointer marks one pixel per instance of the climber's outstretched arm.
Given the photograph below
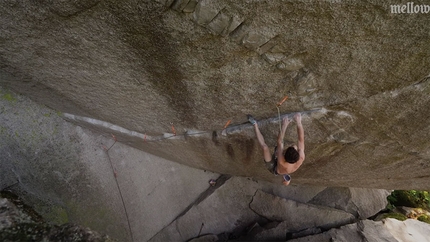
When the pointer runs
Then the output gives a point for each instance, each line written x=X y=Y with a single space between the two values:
x=285 y=122
x=301 y=136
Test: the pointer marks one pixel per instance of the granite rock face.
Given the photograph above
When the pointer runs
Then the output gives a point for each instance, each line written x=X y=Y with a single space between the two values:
x=142 y=65
x=65 y=173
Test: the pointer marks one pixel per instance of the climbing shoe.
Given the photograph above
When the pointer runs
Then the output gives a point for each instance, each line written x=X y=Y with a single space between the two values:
x=251 y=119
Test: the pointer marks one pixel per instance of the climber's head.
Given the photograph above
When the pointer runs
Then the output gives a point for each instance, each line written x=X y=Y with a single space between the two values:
x=291 y=154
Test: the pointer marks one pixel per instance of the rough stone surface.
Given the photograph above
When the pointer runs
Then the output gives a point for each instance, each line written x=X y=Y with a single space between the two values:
x=409 y=230
x=155 y=189
x=279 y=233
x=302 y=194
x=10 y=215
x=364 y=230
x=352 y=200
x=205 y=238
x=145 y=64
x=43 y=141
x=294 y=215
x=63 y=172
x=78 y=182
x=226 y=210
x=18 y=222
x=389 y=230
x=324 y=237
x=58 y=168
x=306 y=232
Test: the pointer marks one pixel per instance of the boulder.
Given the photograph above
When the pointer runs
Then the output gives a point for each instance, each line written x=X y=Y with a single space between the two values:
x=409 y=230
x=272 y=234
x=361 y=202
x=295 y=216
x=303 y=233
x=225 y=210
x=281 y=233
x=364 y=230
x=389 y=230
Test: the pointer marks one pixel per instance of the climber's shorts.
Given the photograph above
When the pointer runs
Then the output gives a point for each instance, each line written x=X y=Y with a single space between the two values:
x=273 y=164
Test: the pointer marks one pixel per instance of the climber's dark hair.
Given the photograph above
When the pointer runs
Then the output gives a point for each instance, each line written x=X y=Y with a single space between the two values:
x=291 y=155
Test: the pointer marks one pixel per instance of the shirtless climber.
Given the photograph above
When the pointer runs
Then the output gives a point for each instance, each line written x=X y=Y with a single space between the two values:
x=280 y=162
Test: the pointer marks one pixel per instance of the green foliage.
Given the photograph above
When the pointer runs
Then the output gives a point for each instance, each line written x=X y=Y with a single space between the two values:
x=411 y=198
x=397 y=216
x=424 y=218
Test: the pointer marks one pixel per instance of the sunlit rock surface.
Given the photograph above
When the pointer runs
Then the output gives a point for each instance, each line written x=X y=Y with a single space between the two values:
x=366 y=230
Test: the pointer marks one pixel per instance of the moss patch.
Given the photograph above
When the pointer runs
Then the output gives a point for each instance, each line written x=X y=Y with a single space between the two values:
x=424 y=218
x=93 y=217
x=8 y=97
x=60 y=215
x=397 y=216
x=55 y=214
